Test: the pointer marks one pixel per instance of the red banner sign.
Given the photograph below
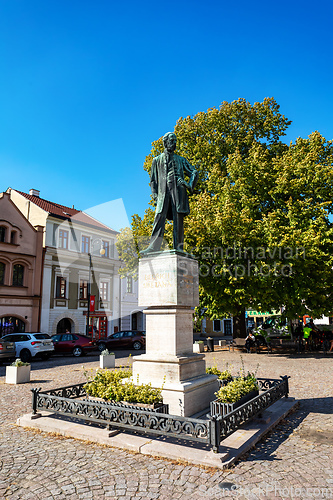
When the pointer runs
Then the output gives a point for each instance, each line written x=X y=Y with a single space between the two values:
x=92 y=303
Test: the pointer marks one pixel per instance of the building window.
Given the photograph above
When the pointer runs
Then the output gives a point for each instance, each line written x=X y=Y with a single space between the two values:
x=83 y=289
x=18 y=275
x=13 y=237
x=105 y=246
x=217 y=325
x=103 y=290
x=2 y=273
x=85 y=248
x=2 y=234
x=129 y=285
x=60 y=288
x=63 y=239
x=227 y=327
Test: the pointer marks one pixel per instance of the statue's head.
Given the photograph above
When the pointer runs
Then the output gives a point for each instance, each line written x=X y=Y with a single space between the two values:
x=170 y=142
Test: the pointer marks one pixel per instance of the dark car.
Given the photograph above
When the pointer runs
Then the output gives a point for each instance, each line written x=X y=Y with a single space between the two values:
x=131 y=339
x=73 y=343
x=7 y=350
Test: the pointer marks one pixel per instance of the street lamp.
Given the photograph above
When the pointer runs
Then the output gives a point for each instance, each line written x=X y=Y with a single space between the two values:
x=102 y=252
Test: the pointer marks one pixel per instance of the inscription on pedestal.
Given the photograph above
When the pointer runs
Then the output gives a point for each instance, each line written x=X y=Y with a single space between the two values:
x=160 y=280
x=168 y=280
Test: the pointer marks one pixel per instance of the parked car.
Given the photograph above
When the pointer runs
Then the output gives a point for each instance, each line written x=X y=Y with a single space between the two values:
x=73 y=343
x=31 y=345
x=7 y=350
x=134 y=339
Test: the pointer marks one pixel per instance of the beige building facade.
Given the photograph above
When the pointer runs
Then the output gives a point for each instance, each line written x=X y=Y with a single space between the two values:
x=79 y=255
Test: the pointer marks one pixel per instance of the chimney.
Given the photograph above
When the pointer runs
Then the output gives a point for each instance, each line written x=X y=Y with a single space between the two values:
x=34 y=192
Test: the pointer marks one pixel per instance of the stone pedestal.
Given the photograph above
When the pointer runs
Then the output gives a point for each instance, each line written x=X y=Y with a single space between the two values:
x=169 y=288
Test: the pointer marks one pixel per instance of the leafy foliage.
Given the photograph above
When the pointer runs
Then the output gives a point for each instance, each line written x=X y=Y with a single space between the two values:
x=260 y=214
x=222 y=375
x=18 y=362
x=236 y=389
x=107 y=353
x=110 y=385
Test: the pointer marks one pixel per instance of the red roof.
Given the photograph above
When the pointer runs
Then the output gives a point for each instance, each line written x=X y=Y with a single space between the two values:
x=63 y=212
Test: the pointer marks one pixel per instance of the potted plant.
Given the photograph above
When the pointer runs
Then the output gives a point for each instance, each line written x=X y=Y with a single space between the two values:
x=107 y=359
x=18 y=372
x=198 y=346
x=236 y=393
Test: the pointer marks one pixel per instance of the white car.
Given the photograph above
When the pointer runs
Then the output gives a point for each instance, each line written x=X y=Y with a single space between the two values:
x=31 y=345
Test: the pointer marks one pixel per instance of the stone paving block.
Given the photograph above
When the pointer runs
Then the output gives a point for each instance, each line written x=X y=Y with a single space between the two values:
x=283 y=453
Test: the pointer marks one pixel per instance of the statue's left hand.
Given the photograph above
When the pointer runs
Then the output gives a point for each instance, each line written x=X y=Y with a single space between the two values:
x=182 y=182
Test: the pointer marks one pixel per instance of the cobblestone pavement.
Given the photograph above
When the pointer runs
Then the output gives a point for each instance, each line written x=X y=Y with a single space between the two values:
x=294 y=461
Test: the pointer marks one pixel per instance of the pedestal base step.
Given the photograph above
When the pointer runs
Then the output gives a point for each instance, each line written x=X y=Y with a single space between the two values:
x=233 y=447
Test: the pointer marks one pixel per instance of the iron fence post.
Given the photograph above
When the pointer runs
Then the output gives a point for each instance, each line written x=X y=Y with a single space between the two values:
x=214 y=433
x=34 y=400
x=285 y=379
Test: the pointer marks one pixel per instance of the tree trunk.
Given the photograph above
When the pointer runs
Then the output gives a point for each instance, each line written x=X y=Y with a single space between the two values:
x=239 y=325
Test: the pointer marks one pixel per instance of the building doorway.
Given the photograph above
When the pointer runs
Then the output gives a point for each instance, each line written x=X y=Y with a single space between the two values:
x=137 y=321
x=64 y=325
x=98 y=327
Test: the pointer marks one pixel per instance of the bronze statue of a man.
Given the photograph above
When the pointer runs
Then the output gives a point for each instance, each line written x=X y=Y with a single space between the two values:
x=168 y=188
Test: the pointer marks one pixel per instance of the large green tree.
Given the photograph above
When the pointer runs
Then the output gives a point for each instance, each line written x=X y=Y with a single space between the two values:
x=259 y=222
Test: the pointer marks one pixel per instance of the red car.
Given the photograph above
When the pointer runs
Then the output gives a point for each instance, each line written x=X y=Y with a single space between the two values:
x=73 y=343
x=130 y=339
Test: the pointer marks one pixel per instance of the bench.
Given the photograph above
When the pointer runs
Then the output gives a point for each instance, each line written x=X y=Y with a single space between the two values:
x=284 y=343
x=239 y=343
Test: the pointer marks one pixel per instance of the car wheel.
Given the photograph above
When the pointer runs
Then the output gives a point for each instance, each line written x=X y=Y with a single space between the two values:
x=25 y=356
x=77 y=351
x=137 y=345
x=102 y=347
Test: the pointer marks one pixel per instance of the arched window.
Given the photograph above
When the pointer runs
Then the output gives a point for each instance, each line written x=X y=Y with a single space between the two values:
x=11 y=324
x=18 y=275
x=2 y=234
x=2 y=273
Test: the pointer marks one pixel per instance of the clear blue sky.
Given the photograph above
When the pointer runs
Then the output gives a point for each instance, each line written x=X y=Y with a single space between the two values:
x=87 y=85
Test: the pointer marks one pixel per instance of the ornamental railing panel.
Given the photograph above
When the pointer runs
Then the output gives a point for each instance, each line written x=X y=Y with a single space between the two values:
x=229 y=423
x=120 y=415
x=157 y=421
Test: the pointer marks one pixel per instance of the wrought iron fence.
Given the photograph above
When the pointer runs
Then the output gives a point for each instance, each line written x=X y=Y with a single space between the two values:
x=274 y=389
x=157 y=421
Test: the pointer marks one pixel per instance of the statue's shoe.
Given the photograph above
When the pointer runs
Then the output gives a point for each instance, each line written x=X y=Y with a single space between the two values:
x=147 y=251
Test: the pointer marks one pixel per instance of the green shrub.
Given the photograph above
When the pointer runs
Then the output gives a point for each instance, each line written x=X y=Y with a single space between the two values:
x=19 y=362
x=236 y=389
x=225 y=375
x=106 y=353
x=213 y=370
x=109 y=385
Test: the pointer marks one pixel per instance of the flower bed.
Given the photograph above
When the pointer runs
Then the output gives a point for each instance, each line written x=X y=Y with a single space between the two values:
x=116 y=386
x=218 y=408
x=236 y=393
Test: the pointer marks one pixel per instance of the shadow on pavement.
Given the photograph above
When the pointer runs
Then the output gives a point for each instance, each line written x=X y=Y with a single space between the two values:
x=266 y=448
